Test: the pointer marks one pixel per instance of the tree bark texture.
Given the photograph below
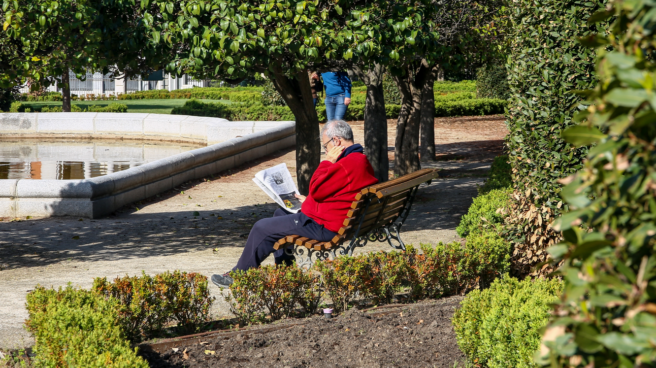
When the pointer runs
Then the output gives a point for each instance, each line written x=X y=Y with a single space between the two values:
x=298 y=96
x=375 y=121
x=66 y=92
x=406 y=155
x=427 y=124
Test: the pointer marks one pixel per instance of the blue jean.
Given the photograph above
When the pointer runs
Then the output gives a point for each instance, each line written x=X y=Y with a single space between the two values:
x=267 y=232
x=335 y=108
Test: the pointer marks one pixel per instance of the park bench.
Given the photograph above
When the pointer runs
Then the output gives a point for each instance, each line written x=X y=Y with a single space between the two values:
x=376 y=214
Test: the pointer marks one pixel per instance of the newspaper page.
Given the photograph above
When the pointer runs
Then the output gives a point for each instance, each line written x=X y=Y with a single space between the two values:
x=277 y=182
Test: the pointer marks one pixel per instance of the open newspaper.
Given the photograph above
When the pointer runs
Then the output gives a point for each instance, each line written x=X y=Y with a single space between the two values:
x=277 y=182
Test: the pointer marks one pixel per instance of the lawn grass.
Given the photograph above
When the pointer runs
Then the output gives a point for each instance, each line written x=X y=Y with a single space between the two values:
x=163 y=106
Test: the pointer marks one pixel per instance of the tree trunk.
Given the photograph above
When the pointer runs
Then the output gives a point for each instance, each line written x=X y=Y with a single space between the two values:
x=406 y=155
x=375 y=121
x=66 y=92
x=298 y=96
x=427 y=150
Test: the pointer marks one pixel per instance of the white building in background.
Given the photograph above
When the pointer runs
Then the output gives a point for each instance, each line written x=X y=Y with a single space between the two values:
x=98 y=84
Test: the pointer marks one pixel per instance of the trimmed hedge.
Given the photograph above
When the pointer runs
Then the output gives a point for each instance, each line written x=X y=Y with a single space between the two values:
x=443 y=270
x=254 y=112
x=487 y=213
x=500 y=175
x=546 y=64
x=82 y=328
x=77 y=328
x=449 y=87
x=501 y=326
x=237 y=94
x=112 y=107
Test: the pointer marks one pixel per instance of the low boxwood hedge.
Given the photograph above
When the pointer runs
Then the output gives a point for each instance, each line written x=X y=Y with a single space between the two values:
x=256 y=111
x=77 y=328
x=94 y=328
x=23 y=107
x=501 y=326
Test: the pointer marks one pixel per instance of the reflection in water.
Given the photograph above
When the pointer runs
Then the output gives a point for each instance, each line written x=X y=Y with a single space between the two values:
x=61 y=160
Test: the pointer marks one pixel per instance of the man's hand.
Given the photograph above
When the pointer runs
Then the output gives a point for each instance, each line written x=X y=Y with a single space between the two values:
x=334 y=154
x=347 y=101
x=300 y=197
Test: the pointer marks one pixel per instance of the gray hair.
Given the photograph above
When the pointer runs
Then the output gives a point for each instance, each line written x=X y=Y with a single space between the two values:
x=337 y=128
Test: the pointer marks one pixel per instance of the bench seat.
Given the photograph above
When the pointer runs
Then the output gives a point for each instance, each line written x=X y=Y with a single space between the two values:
x=376 y=214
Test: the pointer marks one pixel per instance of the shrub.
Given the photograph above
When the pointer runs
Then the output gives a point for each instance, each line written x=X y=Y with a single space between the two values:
x=486 y=213
x=546 y=64
x=487 y=256
x=147 y=303
x=342 y=279
x=500 y=175
x=492 y=81
x=469 y=107
x=237 y=94
x=187 y=300
x=446 y=269
x=500 y=326
x=271 y=97
x=259 y=112
x=607 y=314
x=391 y=91
x=276 y=290
x=112 y=107
x=76 y=328
x=449 y=87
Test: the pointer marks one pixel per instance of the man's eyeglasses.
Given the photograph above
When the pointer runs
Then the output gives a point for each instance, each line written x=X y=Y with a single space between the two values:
x=325 y=144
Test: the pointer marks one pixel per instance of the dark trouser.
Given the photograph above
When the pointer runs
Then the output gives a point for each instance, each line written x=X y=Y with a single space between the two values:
x=268 y=231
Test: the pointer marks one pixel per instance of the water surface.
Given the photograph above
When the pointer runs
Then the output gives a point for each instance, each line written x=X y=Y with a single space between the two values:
x=60 y=160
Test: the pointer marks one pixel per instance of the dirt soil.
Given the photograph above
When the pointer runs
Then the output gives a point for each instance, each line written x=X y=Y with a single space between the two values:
x=418 y=335
x=161 y=233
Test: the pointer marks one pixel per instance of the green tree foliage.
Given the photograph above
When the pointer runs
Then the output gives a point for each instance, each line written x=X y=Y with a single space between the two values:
x=500 y=326
x=443 y=35
x=53 y=37
x=607 y=314
x=546 y=64
x=232 y=40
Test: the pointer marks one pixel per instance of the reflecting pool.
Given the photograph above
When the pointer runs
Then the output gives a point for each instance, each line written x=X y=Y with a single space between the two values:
x=60 y=160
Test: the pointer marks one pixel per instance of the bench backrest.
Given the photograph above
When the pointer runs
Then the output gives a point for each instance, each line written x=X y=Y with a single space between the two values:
x=380 y=205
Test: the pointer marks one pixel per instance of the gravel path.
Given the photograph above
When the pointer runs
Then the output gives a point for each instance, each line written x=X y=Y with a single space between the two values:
x=162 y=234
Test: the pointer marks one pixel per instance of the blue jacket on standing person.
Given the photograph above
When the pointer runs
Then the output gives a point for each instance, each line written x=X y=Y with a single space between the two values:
x=338 y=94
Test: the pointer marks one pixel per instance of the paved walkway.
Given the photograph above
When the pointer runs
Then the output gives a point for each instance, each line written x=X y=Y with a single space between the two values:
x=162 y=234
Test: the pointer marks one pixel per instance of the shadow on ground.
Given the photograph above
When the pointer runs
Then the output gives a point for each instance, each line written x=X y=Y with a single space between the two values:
x=46 y=241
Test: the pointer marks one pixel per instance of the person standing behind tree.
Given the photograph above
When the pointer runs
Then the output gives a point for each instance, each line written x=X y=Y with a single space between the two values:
x=316 y=86
x=338 y=94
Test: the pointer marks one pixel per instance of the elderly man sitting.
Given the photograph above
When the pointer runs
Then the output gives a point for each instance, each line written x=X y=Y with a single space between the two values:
x=333 y=187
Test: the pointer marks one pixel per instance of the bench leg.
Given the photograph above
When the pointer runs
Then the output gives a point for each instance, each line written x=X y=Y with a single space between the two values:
x=304 y=256
x=391 y=238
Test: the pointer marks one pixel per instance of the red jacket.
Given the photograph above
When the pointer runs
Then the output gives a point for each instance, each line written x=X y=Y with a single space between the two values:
x=333 y=188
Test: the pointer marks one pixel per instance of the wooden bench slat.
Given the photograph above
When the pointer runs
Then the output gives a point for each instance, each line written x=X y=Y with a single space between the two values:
x=301 y=240
x=401 y=179
x=403 y=186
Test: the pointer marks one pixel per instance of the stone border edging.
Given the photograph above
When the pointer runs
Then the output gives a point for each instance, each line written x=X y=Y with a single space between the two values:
x=100 y=196
x=139 y=126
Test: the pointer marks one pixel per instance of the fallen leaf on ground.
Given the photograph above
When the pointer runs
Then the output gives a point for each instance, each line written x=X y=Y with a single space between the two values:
x=175 y=350
x=209 y=352
x=185 y=355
